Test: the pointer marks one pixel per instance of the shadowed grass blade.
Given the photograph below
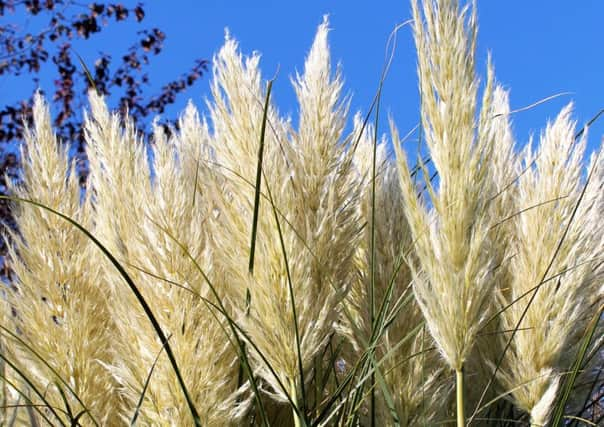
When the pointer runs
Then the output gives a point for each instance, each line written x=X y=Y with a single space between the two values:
x=87 y=72
x=28 y=405
x=36 y=391
x=570 y=381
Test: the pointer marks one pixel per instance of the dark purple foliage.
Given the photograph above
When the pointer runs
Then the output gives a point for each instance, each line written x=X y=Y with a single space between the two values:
x=119 y=75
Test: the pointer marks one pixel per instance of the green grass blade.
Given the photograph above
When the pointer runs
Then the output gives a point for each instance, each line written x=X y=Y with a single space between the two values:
x=570 y=381
x=591 y=398
x=33 y=387
x=76 y=420
x=65 y=402
x=390 y=50
x=139 y=404
x=195 y=183
x=235 y=329
x=220 y=309
x=361 y=364
x=381 y=382
x=365 y=377
x=87 y=73
x=259 y=176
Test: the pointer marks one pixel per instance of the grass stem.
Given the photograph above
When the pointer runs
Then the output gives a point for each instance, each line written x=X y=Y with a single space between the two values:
x=294 y=397
x=461 y=418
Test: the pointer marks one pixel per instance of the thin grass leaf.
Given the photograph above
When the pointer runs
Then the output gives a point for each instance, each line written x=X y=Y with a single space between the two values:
x=139 y=404
x=235 y=329
x=534 y=104
x=591 y=121
x=31 y=386
x=32 y=417
x=365 y=376
x=507 y=393
x=590 y=400
x=362 y=362
x=27 y=399
x=353 y=416
x=579 y=419
x=213 y=306
x=259 y=176
x=389 y=55
x=195 y=181
x=65 y=402
x=87 y=72
x=76 y=420
x=13 y=418
x=387 y=397
x=570 y=381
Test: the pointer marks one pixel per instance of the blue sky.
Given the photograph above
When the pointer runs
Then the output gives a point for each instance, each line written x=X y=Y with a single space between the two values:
x=540 y=48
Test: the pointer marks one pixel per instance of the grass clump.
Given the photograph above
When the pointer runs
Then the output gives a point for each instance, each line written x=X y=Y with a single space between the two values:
x=253 y=273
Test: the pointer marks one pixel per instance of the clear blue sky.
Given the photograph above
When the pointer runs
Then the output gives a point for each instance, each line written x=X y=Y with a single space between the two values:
x=539 y=47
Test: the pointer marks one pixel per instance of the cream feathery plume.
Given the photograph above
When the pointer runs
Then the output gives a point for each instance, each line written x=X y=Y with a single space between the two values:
x=169 y=215
x=453 y=276
x=122 y=182
x=309 y=180
x=61 y=300
x=504 y=170
x=451 y=240
x=556 y=245
x=322 y=207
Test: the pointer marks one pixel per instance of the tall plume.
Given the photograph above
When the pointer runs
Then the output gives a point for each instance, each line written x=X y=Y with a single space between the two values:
x=60 y=300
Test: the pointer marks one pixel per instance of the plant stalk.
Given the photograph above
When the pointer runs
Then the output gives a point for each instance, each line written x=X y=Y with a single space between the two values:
x=294 y=397
x=461 y=417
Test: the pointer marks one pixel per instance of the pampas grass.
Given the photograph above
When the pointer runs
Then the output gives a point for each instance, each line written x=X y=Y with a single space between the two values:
x=308 y=214
x=566 y=272
x=61 y=316
x=453 y=277
x=240 y=270
x=164 y=218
